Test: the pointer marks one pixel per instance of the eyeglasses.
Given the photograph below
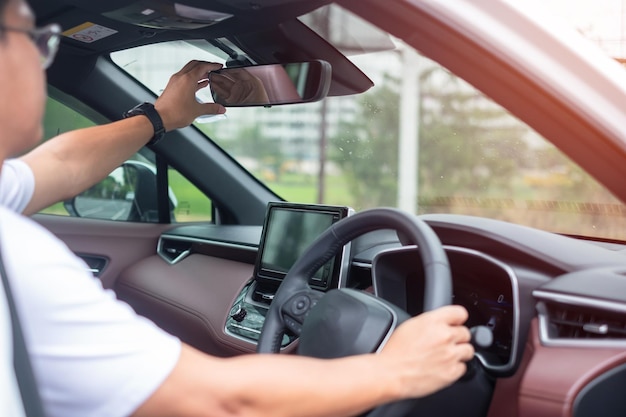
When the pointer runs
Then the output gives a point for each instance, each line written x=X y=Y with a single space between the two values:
x=46 y=39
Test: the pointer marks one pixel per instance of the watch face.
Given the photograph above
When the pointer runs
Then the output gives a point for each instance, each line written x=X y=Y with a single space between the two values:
x=148 y=110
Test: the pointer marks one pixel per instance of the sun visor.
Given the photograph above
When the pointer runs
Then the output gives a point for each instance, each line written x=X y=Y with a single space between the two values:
x=346 y=31
x=293 y=41
x=167 y=15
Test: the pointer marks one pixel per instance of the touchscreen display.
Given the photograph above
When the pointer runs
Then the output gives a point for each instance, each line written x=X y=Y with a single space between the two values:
x=289 y=230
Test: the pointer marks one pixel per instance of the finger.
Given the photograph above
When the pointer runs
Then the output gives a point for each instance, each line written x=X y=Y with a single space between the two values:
x=452 y=314
x=465 y=351
x=461 y=334
x=212 y=108
x=201 y=69
x=202 y=84
x=188 y=66
x=459 y=370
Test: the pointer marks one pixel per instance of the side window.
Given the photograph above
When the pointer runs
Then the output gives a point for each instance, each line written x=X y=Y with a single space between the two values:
x=129 y=192
x=60 y=118
x=192 y=205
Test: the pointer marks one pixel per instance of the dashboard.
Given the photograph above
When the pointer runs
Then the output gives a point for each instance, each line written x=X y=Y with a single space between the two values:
x=547 y=299
x=556 y=304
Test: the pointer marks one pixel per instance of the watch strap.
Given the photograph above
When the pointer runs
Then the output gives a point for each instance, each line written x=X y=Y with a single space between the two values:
x=148 y=110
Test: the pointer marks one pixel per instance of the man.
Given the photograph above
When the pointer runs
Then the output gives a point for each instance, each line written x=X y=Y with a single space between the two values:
x=91 y=355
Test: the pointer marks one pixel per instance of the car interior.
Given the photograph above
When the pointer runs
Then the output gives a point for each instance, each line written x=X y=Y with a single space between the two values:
x=262 y=272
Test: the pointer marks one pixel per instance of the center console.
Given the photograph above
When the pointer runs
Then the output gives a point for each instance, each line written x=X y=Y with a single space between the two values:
x=288 y=229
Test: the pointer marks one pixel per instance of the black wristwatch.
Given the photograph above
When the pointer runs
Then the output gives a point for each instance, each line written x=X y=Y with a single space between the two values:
x=148 y=110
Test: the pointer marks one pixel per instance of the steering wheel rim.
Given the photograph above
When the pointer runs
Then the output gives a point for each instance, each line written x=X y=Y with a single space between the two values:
x=438 y=280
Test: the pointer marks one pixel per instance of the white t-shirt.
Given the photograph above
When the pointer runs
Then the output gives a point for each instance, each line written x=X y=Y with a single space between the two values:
x=10 y=400
x=91 y=354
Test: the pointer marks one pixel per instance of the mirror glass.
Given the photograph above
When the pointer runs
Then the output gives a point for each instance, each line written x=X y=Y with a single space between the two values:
x=129 y=193
x=272 y=84
x=111 y=199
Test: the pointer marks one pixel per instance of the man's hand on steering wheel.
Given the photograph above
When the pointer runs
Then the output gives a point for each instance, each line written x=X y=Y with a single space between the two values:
x=428 y=352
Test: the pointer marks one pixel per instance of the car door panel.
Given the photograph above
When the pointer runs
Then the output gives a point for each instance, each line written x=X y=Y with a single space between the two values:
x=191 y=299
x=120 y=243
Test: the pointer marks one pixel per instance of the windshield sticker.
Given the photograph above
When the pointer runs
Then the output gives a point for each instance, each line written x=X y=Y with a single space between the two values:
x=88 y=32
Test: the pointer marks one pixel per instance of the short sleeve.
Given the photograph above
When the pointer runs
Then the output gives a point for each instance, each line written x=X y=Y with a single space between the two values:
x=17 y=185
x=91 y=354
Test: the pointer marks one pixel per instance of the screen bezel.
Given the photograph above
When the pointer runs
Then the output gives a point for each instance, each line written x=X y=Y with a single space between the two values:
x=269 y=276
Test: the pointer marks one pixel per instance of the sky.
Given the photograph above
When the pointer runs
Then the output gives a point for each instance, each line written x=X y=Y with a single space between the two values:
x=602 y=21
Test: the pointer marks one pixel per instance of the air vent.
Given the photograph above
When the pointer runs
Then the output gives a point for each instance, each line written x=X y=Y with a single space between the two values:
x=565 y=321
x=173 y=250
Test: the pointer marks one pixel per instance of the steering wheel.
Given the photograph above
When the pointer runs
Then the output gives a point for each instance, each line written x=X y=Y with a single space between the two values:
x=345 y=322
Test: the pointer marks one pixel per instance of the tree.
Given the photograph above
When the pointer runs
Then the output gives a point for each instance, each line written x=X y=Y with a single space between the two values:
x=367 y=149
x=466 y=142
x=250 y=143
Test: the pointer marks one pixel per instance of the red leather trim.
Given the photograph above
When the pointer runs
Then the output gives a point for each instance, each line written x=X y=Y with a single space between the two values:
x=122 y=243
x=555 y=375
x=190 y=299
x=506 y=394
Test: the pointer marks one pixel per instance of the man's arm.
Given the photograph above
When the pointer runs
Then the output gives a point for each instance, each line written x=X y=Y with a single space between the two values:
x=424 y=355
x=74 y=161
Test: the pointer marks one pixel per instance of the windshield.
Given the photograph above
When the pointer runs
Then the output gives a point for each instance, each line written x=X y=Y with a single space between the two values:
x=421 y=139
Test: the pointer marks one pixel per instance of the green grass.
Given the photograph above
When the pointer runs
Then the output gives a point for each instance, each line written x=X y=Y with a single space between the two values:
x=57 y=208
x=304 y=189
x=193 y=205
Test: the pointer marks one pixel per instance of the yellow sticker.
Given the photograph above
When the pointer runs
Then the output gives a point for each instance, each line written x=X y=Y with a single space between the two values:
x=89 y=32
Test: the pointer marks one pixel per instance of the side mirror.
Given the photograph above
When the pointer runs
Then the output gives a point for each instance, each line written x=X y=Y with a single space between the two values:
x=126 y=194
x=272 y=84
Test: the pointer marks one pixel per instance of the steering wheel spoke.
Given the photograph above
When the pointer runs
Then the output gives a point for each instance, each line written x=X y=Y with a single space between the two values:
x=295 y=310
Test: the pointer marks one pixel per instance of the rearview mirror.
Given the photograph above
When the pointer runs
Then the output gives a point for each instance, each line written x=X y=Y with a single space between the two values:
x=272 y=84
